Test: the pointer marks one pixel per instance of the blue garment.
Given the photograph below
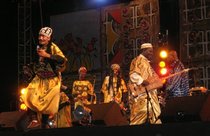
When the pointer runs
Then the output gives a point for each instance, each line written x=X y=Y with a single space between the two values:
x=177 y=86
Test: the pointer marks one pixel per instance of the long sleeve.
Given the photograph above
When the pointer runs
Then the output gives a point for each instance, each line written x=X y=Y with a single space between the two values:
x=105 y=84
x=136 y=78
x=139 y=70
x=59 y=58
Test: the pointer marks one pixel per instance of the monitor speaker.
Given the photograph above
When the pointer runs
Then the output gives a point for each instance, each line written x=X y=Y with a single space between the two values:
x=184 y=109
x=16 y=120
x=205 y=111
x=109 y=113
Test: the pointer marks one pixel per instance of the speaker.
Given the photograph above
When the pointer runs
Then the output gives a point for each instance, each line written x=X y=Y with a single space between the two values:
x=16 y=120
x=182 y=109
x=205 y=111
x=108 y=113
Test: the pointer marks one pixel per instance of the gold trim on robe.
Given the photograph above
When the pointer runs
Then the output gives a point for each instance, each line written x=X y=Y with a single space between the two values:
x=138 y=105
x=113 y=93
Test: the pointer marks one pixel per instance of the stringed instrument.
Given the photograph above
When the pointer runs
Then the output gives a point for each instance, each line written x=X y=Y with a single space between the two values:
x=154 y=83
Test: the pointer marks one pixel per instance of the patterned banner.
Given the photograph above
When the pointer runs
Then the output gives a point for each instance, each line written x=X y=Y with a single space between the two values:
x=125 y=27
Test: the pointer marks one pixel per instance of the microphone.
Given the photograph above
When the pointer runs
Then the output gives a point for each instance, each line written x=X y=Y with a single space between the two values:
x=38 y=47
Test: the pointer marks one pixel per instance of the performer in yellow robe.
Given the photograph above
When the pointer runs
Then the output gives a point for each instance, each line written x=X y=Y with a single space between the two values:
x=64 y=117
x=83 y=92
x=42 y=95
x=114 y=87
x=144 y=108
x=83 y=89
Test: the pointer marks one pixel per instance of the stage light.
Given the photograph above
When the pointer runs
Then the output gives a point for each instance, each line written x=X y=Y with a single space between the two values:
x=23 y=107
x=79 y=112
x=82 y=115
x=100 y=1
x=22 y=91
x=163 y=54
x=163 y=71
x=162 y=64
x=52 y=123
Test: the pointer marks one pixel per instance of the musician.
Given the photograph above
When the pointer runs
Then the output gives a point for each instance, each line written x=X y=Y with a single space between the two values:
x=83 y=90
x=114 y=87
x=42 y=94
x=83 y=94
x=178 y=85
x=144 y=107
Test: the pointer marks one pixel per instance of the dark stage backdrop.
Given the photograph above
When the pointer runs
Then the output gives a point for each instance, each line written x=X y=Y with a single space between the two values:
x=97 y=38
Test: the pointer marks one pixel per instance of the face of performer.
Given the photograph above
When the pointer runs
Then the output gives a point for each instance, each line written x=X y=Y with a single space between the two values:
x=115 y=71
x=82 y=74
x=148 y=53
x=43 y=40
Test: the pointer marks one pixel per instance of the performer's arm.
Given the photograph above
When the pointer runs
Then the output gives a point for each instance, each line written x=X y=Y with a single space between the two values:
x=105 y=84
x=136 y=78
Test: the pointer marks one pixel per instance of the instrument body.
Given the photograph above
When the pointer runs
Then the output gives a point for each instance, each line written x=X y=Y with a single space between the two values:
x=154 y=83
x=137 y=90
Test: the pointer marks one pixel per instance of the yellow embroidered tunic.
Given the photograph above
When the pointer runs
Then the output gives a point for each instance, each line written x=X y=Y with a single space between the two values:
x=83 y=92
x=63 y=117
x=140 y=69
x=43 y=94
x=113 y=94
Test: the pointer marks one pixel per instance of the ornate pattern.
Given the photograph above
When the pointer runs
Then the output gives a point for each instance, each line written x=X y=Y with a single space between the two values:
x=126 y=27
x=195 y=39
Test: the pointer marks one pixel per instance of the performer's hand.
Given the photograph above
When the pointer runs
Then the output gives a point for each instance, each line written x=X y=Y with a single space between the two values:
x=145 y=83
x=43 y=53
x=162 y=100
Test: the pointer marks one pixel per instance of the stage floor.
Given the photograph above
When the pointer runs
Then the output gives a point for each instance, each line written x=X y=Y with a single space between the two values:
x=184 y=116
x=167 y=129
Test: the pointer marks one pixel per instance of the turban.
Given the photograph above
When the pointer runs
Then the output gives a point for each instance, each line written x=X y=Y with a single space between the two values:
x=115 y=66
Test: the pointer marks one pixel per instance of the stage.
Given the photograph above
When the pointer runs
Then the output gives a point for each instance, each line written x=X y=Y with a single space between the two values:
x=184 y=116
x=168 y=129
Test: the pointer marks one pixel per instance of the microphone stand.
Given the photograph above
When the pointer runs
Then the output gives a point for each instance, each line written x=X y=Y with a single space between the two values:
x=149 y=101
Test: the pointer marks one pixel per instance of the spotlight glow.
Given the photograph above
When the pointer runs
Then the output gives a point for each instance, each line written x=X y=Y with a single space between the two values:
x=163 y=54
x=23 y=107
x=22 y=91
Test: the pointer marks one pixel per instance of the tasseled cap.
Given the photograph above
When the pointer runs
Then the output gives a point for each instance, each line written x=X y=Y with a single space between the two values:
x=46 y=31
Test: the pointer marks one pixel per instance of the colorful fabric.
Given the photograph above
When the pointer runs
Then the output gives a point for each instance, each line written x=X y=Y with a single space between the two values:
x=126 y=26
x=113 y=94
x=178 y=85
x=140 y=105
x=83 y=92
x=42 y=95
x=63 y=117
